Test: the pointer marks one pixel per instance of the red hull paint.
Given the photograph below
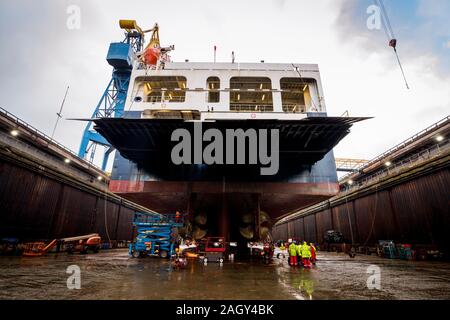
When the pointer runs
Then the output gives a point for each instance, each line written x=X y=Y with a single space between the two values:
x=277 y=199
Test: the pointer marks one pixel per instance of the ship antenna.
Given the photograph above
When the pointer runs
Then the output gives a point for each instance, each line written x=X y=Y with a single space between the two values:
x=296 y=69
x=391 y=37
x=59 y=114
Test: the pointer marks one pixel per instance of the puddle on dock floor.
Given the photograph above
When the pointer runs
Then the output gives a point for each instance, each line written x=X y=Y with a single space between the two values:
x=113 y=275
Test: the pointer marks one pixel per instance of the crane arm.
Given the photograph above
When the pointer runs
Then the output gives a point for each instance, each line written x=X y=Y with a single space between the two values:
x=130 y=25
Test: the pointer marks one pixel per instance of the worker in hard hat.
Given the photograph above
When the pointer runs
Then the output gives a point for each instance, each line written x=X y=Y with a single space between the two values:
x=306 y=255
x=313 y=253
x=179 y=261
x=292 y=254
x=176 y=253
x=283 y=250
x=299 y=253
x=178 y=217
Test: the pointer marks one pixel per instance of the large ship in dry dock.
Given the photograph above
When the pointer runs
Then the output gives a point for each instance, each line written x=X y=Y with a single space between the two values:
x=273 y=113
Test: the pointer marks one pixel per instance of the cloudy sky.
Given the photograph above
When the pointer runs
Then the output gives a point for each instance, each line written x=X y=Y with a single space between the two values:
x=40 y=56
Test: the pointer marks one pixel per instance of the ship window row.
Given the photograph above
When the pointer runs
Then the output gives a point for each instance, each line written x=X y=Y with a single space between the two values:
x=163 y=88
x=246 y=93
x=213 y=85
x=251 y=94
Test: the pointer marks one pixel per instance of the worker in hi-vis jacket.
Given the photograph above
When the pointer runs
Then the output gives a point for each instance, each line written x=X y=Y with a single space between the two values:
x=292 y=254
x=306 y=255
x=299 y=253
x=313 y=253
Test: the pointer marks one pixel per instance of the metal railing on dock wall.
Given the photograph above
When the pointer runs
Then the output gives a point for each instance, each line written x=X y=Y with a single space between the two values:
x=399 y=146
x=32 y=129
x=410 y=162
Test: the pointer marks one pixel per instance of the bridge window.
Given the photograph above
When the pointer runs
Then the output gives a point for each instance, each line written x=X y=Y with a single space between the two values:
x=213 y=85
x=251 y=94
x=296 y=94
x=170 y=89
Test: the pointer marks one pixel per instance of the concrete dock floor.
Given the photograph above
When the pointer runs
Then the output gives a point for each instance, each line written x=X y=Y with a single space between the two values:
x=113 y=275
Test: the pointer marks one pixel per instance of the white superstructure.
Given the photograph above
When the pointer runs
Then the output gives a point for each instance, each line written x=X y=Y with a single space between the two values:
x=213 y=91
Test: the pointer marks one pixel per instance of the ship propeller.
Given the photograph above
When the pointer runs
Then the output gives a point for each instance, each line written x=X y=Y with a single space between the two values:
x=247 y=229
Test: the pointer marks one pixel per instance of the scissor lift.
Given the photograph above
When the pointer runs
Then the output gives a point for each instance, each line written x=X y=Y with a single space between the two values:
x=155 y=235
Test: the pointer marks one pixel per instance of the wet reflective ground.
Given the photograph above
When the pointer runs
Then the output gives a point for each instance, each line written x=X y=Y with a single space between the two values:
x=113 y=275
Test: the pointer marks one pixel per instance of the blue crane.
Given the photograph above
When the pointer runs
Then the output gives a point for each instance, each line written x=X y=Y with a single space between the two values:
x=121 y=56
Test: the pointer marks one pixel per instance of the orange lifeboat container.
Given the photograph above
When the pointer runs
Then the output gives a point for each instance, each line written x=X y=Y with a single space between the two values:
x=151 y=55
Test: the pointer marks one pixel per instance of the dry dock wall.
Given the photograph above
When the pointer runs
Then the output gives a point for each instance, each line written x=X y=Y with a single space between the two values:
x=412 y=207
x=48 y=192
x=36 y=206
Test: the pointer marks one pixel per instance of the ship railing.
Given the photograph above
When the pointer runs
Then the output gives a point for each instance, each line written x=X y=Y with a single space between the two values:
x=251 y=108
x=294 y=108
x=154 y=99
x=159 y=99
x=175 y=99
x=410 y=162
x=49 y=139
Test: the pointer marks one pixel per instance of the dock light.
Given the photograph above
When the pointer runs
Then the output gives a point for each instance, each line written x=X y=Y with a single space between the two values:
x=350 y=182
x=67 y=160
x=14 y=133
x=99 y=178
x=261 y=86
x=388 y=163
x=263 y=97
x=304 y=88
x=170 y=96
x=439 y=138
x=239 y=96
